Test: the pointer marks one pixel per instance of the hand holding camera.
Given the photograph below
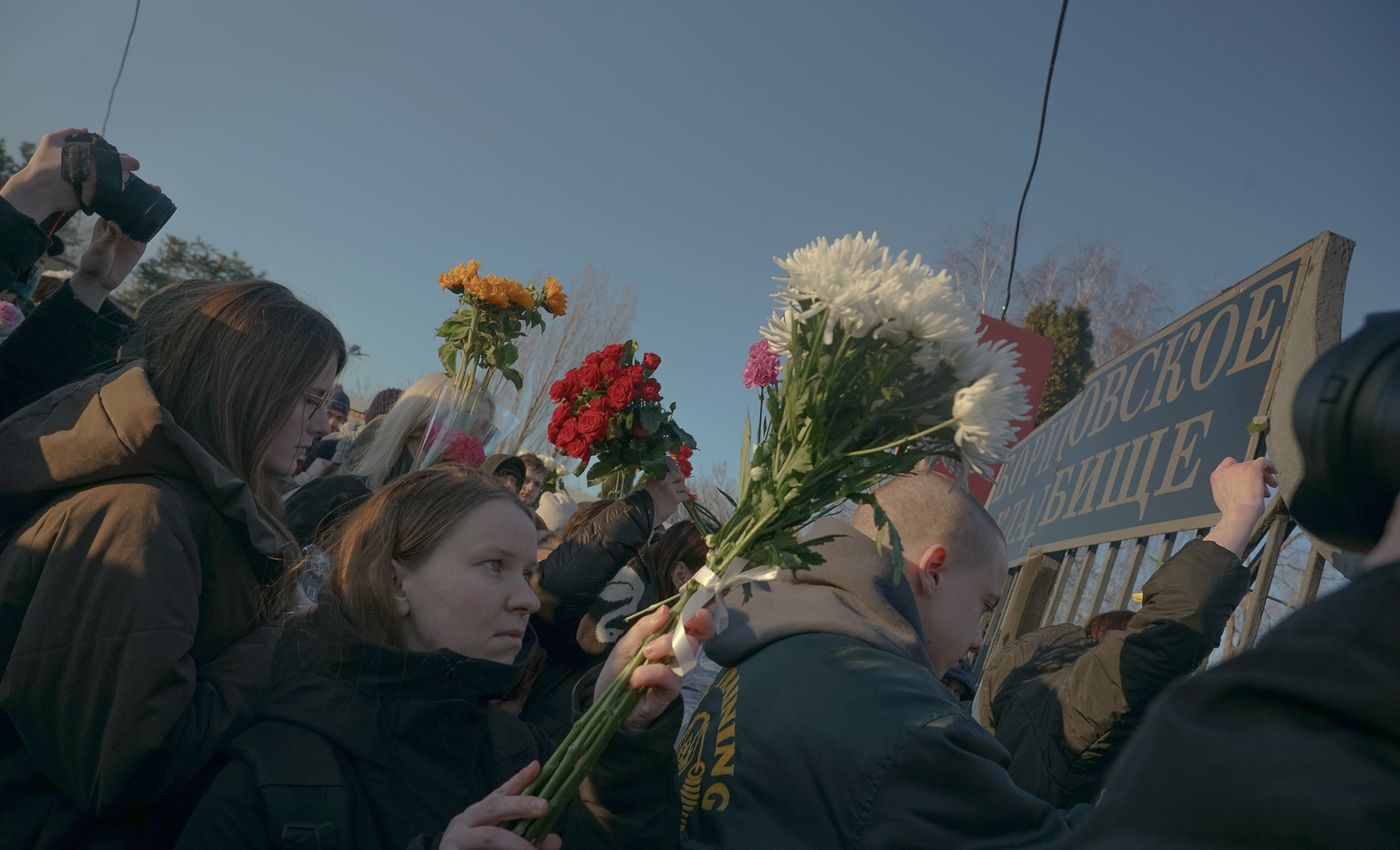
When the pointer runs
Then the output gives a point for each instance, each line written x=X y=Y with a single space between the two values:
x=72 y=170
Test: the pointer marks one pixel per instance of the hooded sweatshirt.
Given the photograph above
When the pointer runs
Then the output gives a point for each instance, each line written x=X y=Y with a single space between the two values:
x=365 y=746
x=131 y=575
x=830 y=729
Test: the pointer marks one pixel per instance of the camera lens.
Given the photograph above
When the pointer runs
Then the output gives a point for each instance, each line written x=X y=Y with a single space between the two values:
x=141 y=210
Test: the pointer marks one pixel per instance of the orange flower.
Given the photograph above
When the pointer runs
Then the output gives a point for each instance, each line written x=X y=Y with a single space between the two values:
x=555 y=301
x=521 y=296
x=490 y=289
x=459 y=277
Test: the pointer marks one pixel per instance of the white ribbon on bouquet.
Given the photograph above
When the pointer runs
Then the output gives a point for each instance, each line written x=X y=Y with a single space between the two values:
x=711 y=587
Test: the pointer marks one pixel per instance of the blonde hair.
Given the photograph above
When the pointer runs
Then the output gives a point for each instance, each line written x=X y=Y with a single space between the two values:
x=384 y=459
x=231 y=361
x=403 y=522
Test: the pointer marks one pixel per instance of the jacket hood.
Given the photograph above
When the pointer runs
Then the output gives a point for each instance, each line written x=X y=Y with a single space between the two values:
x=107 y=427
x=853 y=594
x=368 y=698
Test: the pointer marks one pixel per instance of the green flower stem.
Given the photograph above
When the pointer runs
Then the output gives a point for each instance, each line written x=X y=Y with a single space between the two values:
x=903 y=440
x=566 y=769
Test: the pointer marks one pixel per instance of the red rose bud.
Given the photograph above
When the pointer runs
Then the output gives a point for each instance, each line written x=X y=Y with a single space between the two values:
x=559 y=390
x=651 y=361
x=613 y=352
x=610 y=370
x=634 y=375
x=650 y=390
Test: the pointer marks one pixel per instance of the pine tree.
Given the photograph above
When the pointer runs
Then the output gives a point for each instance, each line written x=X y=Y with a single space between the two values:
x=1070 y=329
x=182 y=259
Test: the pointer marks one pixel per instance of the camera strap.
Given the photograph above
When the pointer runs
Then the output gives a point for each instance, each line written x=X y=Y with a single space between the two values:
x=81 y=159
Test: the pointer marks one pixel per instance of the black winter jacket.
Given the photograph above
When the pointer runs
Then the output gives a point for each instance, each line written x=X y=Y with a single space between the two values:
x=1063 y=705
x=62 y=341
x=359 y=746
x=1295 y=743
x=568 y=582
x=831 y=730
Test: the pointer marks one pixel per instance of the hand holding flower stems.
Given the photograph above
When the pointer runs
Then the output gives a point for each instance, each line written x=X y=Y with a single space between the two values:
x=636 y=685
x=883 y=369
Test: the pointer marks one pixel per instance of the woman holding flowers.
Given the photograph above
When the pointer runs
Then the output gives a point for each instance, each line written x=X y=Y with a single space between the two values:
x=381 y=729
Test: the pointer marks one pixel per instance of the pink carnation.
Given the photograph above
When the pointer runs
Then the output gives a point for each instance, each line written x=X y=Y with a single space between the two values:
x=762 y=368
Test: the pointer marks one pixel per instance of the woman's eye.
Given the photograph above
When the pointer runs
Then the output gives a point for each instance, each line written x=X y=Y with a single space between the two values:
x=493 y=565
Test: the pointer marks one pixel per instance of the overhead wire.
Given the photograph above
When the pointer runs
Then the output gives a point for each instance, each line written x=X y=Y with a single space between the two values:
x=1035 y=160
x=121 y=67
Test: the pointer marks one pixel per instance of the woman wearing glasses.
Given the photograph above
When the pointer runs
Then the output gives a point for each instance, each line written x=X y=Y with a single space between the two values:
x=141 y=529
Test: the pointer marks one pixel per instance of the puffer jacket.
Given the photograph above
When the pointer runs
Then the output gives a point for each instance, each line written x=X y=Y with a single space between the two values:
x=361 y=747
x=131 y=587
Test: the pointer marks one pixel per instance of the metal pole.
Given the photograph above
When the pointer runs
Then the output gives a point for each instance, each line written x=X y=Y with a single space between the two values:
x=1105 y=578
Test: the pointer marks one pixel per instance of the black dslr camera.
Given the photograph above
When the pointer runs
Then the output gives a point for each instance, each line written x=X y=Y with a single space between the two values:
x=1346 y=416
x=139 y=209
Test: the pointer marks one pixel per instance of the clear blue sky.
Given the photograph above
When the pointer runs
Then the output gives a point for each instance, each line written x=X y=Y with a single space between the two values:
x=356 y=149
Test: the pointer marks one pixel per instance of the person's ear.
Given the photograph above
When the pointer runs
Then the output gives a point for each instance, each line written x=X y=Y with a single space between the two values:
x=929 y=568
x=399 y=595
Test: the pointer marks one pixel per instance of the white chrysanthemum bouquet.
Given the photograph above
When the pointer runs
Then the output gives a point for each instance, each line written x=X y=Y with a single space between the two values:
x=882 y=368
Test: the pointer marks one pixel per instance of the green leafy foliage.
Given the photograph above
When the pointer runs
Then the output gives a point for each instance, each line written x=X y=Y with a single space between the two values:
x=1073 y=359
x=182 y=259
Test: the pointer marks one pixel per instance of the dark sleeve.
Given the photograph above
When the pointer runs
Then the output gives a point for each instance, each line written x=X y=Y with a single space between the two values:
x=571 y=577
x=230 y=815
x=1295 y=743
x=630 y=799
x=947 y=786
x=22 y=243
x=101 y=685
x=1186 y=605
x=62 y=341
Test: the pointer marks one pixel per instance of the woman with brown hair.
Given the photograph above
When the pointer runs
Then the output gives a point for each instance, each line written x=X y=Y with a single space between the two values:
x=141 y=531
x=381 y=728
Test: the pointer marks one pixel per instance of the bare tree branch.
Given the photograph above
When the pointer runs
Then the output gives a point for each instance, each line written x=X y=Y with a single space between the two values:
x=599 y=313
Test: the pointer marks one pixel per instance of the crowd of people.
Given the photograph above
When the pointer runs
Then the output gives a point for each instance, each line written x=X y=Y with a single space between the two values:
x=232 y=617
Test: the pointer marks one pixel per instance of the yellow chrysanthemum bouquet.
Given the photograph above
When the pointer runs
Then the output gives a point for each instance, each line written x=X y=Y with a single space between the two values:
x=478 y=346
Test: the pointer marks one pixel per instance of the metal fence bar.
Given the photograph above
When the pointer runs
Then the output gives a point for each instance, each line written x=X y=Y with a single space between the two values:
x=1083 y=583
x=1263 y=581
x=1164 y=554
x=1066 y=565
x=1134 y=566
x=1104 y=578
x=1312 y=578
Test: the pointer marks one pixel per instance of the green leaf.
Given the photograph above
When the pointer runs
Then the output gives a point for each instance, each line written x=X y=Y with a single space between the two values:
x=650 y=419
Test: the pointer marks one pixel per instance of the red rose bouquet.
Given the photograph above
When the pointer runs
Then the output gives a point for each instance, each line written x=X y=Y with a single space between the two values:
x=610 y=413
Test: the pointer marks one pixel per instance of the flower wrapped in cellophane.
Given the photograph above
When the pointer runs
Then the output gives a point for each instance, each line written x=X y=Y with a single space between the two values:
x=872 y=364
x=478 y=345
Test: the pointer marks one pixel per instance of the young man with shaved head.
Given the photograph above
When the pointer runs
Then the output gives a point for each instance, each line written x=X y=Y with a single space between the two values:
x=831 y=727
